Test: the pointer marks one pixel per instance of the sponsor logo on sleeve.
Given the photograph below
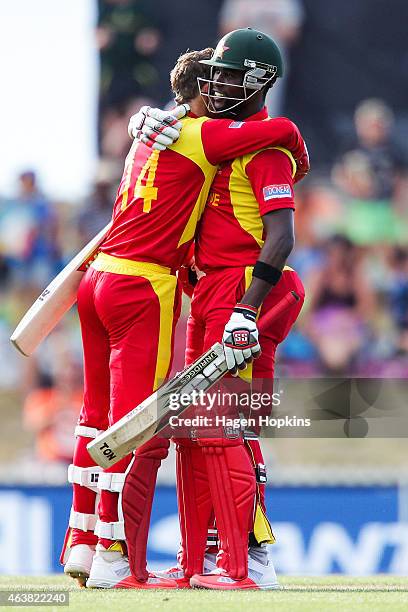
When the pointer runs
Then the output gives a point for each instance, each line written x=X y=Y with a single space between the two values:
x=236 y=124
x=272 y=192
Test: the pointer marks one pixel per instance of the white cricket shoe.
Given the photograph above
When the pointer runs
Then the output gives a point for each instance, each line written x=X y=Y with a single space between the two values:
x=177 y=573
x=260 y=577
x=110 y=570
x=79 y=562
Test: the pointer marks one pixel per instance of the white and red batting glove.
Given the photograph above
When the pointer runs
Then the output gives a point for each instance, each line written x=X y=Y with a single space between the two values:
x=157 y=128
x=241 y=338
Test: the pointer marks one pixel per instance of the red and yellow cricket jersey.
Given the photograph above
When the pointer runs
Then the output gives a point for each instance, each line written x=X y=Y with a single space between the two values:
x=162 y=194
x=231 y=232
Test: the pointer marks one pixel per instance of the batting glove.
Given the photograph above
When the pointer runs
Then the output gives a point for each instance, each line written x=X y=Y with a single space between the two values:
x=240 y=338
x=156 y=128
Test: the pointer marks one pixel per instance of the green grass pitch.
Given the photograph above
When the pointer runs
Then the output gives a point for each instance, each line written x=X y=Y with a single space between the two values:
x=379 y=593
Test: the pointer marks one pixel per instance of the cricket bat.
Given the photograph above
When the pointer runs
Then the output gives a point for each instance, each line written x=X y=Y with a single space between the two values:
x=56 y=299
x=152 y=415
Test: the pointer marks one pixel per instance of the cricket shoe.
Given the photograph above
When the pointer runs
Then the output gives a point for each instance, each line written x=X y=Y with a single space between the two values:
x=153 y=582
x=177 y=573
x=260 y=577
x=79 y=562
x=108 y=569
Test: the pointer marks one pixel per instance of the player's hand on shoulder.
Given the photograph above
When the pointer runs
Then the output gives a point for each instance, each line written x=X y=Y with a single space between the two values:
x=157 y=128
x=241 y=338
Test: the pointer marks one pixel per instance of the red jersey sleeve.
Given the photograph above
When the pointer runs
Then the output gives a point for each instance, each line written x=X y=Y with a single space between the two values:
x=270 y=175
x=224 y=139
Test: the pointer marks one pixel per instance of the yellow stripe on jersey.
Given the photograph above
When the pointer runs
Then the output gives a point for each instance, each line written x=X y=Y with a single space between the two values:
x=190 y=145
x=244 y=203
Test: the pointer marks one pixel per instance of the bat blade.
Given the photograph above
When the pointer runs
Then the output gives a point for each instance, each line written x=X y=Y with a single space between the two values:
x=154 y=413
x=56 y=299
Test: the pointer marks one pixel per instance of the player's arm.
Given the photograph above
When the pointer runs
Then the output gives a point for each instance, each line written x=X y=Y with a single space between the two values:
x=279 y=242
x=224 y=139
x=271 y=175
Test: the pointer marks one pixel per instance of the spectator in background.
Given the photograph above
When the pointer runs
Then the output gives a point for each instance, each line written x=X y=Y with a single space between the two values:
x=281 y=19
x=97 y=210
x=341 y=305
x=367 y=220
x=51 y=411
x=28 y=234
x=374 y=122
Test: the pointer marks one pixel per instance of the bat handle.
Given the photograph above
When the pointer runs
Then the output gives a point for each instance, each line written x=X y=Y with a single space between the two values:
x=276 y=311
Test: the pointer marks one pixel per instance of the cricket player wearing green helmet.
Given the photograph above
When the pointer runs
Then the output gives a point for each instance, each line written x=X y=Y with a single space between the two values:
x=257 y=62
x=245 y=237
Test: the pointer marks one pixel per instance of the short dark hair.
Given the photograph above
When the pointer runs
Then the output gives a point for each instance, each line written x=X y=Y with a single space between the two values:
x=183 y=77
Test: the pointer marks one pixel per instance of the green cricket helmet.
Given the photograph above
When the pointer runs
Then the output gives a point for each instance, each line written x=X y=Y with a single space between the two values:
x=254 y=53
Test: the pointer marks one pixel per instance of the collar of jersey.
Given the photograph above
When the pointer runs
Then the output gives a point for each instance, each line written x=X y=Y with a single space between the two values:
x=259 y=116
x=262 y=114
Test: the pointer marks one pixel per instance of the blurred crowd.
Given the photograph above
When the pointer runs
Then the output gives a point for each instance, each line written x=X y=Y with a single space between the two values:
x=351 y=231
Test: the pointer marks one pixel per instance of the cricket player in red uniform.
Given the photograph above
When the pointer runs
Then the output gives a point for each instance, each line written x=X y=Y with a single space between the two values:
x=244 y=239
x=128 y=304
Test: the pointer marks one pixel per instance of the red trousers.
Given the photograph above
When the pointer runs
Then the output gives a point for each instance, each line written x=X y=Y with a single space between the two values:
x=127 y=323
x=214 y=298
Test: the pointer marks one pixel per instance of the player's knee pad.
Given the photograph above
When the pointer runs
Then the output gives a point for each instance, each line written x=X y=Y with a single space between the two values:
x=87 y=432
x=84 y=477
x=80 y=530
x=83 y=434
x=233 y=490
x=83 y=474
x=112 y=482
x=195 y=505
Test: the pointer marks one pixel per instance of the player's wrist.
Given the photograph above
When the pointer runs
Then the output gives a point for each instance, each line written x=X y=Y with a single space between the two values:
x=246 y=310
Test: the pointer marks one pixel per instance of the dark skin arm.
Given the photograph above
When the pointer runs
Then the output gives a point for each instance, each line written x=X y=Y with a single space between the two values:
x=279 y=242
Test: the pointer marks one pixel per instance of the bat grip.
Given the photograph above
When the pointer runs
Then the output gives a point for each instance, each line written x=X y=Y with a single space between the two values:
x=276 y=311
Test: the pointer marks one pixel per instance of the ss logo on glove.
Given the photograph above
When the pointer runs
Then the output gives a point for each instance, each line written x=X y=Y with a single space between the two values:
x=240 y=338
